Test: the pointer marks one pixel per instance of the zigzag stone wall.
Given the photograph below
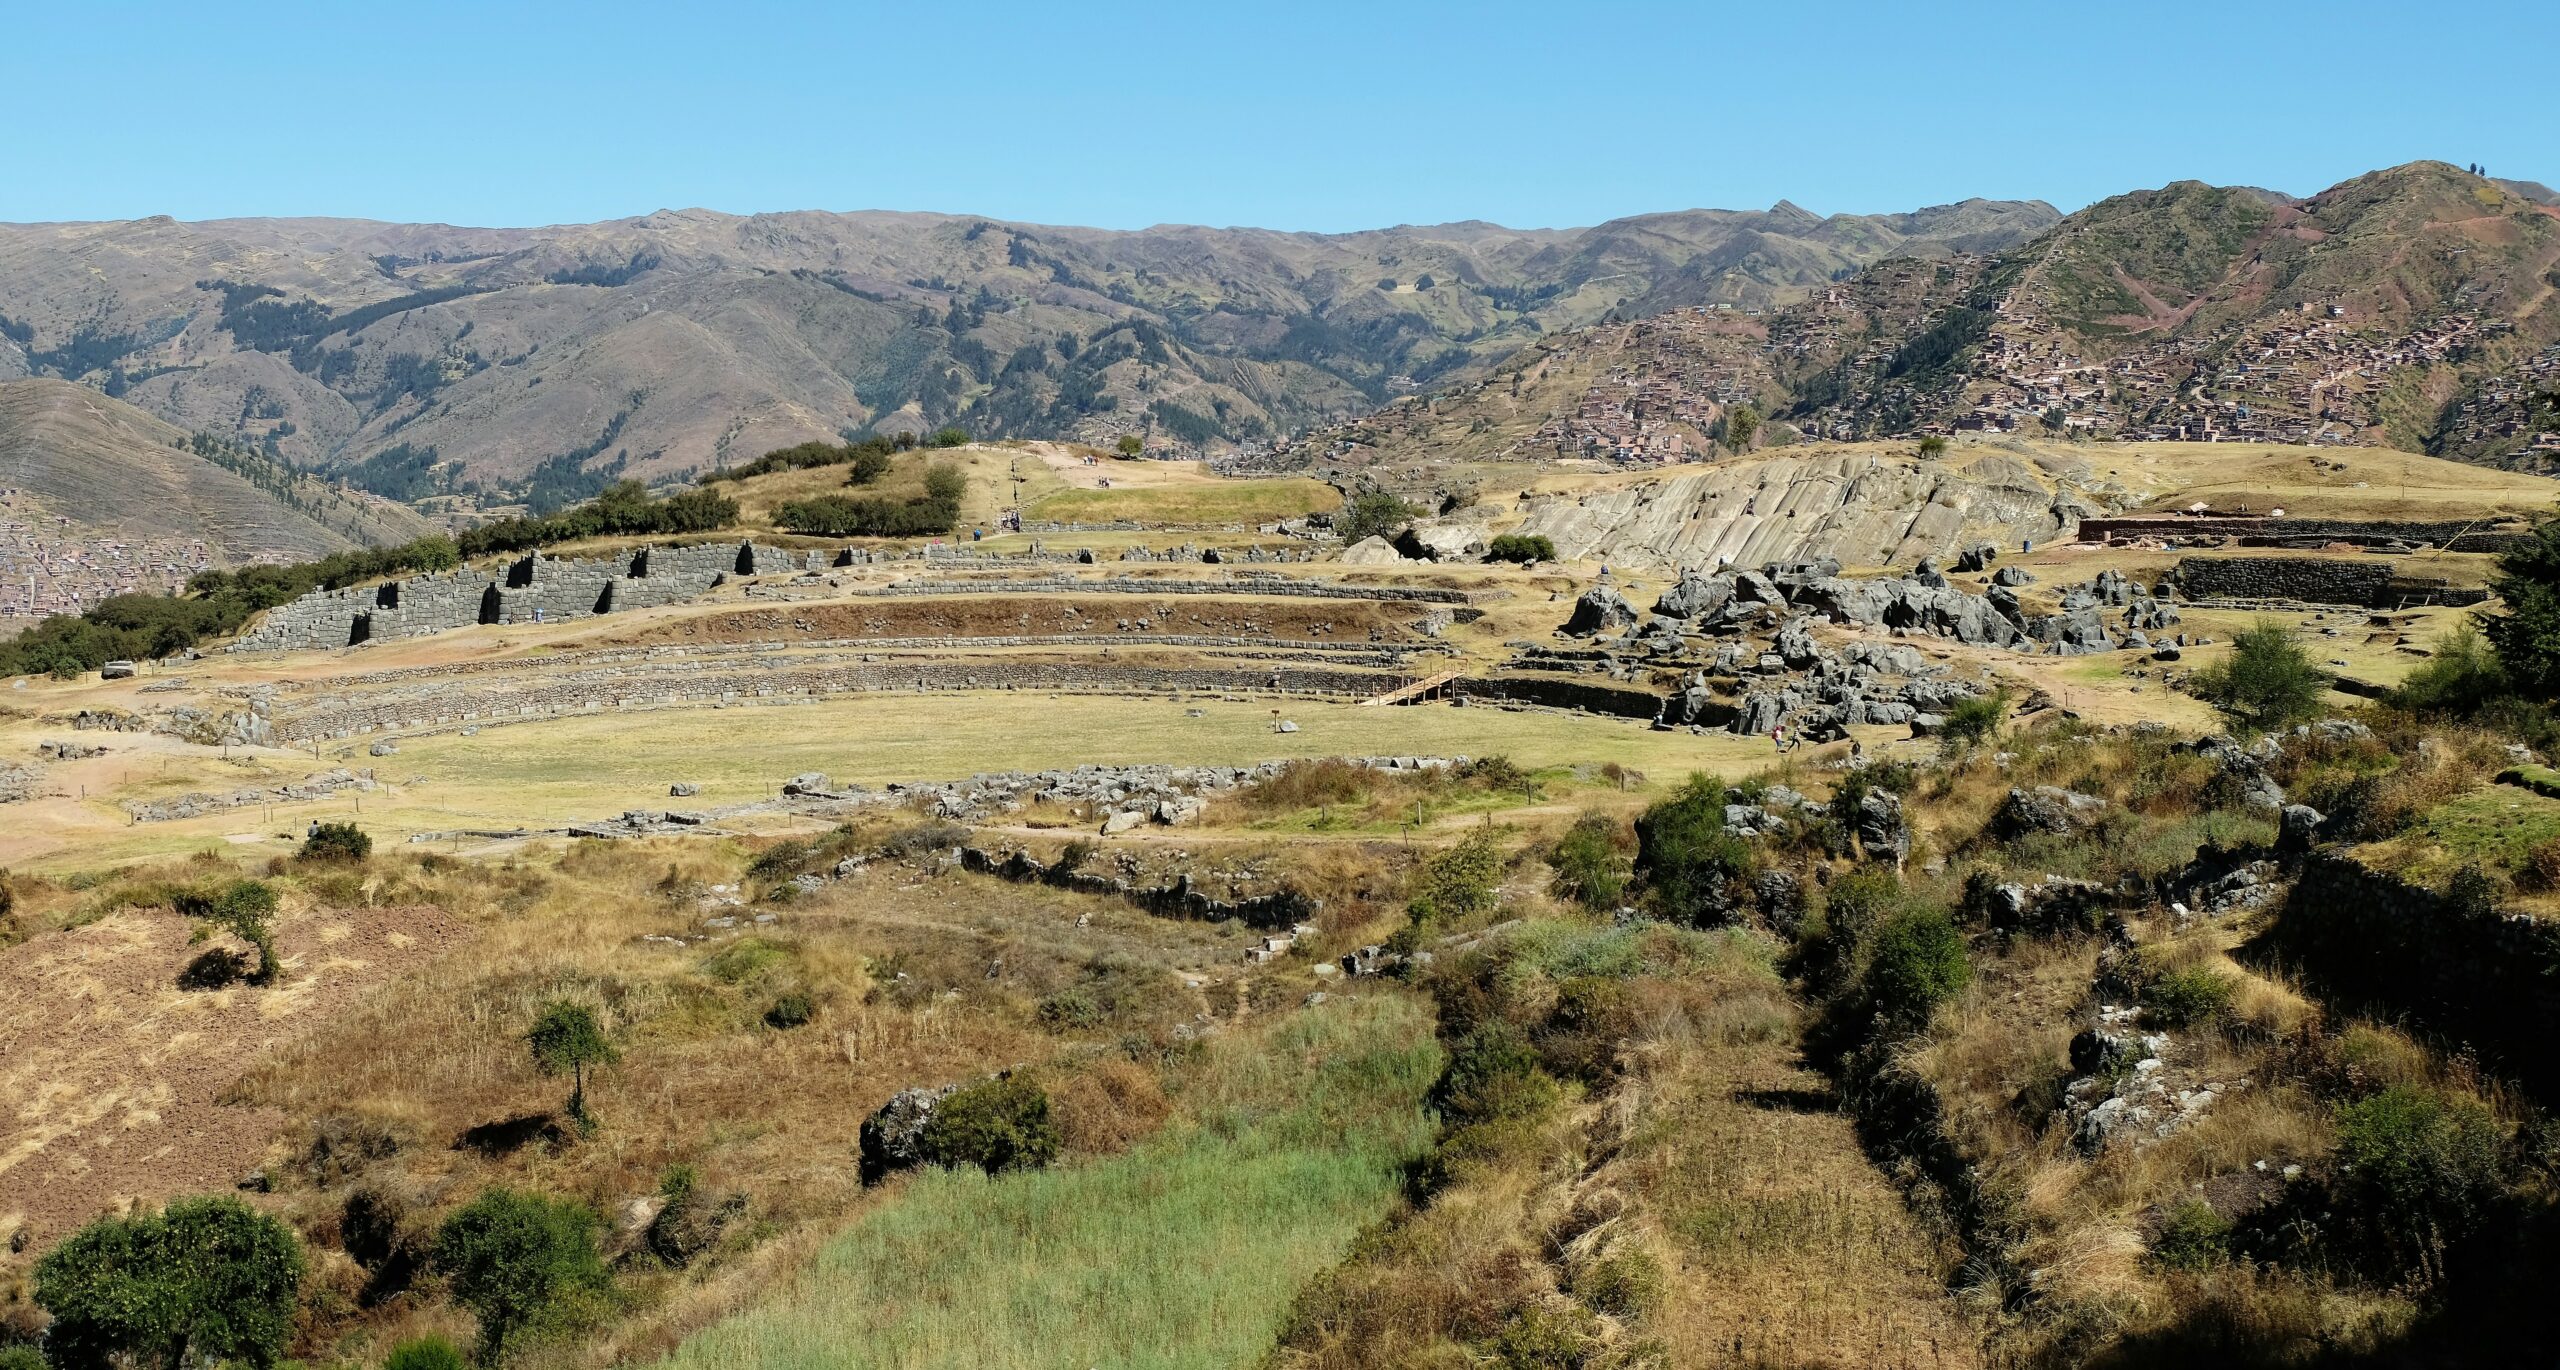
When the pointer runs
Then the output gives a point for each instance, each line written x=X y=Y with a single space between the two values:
x=528 y=589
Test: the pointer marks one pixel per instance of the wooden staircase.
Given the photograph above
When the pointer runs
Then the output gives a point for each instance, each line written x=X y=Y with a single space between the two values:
x=1405 y=694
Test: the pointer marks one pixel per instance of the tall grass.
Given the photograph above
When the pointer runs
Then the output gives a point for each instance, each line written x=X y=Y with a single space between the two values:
x=1185 y=1251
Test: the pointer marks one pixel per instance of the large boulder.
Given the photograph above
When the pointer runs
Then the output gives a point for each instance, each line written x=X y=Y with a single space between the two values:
x=893 y=1138
x=1882 y=833
x=1977 y=558
x=2044 y=809
x=1695 y=596
x=1372 y=551
x=1600 y=610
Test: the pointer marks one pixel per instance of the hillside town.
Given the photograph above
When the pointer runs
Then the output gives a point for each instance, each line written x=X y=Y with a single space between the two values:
x=43 y=572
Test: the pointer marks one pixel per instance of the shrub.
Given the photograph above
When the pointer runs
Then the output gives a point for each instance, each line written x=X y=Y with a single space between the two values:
x=1971 y=721
x=2459 y=680
x=241 y=908
x=2268 y=680
x=1493 y=1075
x=2541 y=869
x=424 y=1353
x=1498 y=773
x=2191 y=997
x=1624 y=1284
x=1521 y=548
x=1069 y=1010
x=521 y=1263
x=1918 y=963
x=21 y=1358
x=2417 y=1169
x=1689 y=863
x=954 y=436
x=2192 y=1237
x=1458 y=883
x=1590 y=869
x=793 y=1009
x=1542 y=1338
x=780 y=861
x=337 y=842
x=690 y=1222
x=567 y=1039
x=203 y=1280
x=996 y=1125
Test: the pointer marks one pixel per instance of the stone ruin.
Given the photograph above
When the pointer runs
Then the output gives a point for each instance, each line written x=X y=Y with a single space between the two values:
x=530 y=588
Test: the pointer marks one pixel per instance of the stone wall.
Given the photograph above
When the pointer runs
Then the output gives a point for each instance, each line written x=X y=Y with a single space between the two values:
x=2458 y=536
x=1554 y=692
x=2311 y=580
x=1268 y=585
x=2476 y=976
x=528 y=589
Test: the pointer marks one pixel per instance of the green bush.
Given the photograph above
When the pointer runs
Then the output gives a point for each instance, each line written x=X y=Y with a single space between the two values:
x=1918 y=962
x=1543 y=1338
x=2192 y=1237
x=2268 y=681
x=522 y=1263
x=242 y=908
x=954 y=436
x=1458 y=883
x=1493 y=1075
x=1590 y=869
x=201 y=1281
x=2193 y=997
x=1971 y=721
x=337 y=842
x=793 y=1009
x=1071 y=1009
x=780 y=861
x=2416 y=1170
x=995 y=1125
x=21 y=1358
x=1521 y=548
x=424 y=1353
x=2460 y=679
x=1689 y=863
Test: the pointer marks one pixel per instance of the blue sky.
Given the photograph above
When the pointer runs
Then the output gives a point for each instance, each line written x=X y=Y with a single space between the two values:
x=1304 y=116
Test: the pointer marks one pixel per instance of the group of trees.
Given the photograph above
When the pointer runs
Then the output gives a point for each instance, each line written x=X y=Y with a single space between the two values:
x=934 y=512
x=864 y=454
x=140 y=626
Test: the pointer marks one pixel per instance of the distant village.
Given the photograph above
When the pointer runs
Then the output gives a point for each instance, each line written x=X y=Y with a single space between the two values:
x=44 y=570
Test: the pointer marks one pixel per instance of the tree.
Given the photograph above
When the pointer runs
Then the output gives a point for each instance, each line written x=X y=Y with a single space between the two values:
x=1933 y=446
x=204 y=1280
x=337 y=842
x=1131 y=444
x=1458 y=883
x=566 y=1039
x=1918 y=963
x=1521 y=547
x=519 y=1261
x=1972 y=720
x=2527 y=632
x=2267 y=680
x=1740 y=427
x=1372 y=513
x=953 y=436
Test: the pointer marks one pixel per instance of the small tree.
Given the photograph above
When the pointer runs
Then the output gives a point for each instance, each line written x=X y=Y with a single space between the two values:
x=2267 y=680
x=995 y=1125
x=519 y=1261
x=954 y=436
x=204 y=1280
x=2527 y=632
x=1972 y=720
x=1918 y=963
x=566 y=1039
x=1740 y=427
x=1131 y=444
x=337 y=842
x=1933 y=446
x=1372 y=513
x=241 y=908
x=1522 y=548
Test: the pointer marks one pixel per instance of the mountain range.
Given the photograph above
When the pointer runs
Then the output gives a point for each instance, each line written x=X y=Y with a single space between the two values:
x=425 y=359
x=2413 y=307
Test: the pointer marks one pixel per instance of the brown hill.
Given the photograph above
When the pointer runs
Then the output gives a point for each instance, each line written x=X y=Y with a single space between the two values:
x=2412 y=307
x=81 y=467
x=423 y=358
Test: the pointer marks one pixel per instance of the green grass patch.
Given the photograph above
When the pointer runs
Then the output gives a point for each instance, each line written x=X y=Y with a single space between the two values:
x=2497 y=827
x=1183 y=1252
x=2542 y=780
